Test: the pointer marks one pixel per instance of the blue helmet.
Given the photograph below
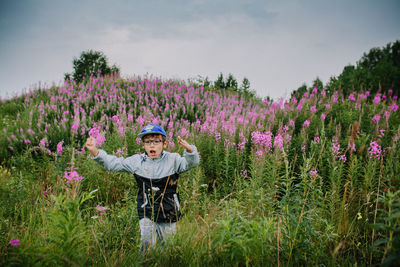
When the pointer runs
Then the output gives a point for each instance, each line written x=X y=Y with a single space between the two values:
x=152 y=129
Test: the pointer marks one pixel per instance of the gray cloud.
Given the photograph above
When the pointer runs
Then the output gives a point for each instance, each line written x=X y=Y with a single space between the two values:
x=277 y=45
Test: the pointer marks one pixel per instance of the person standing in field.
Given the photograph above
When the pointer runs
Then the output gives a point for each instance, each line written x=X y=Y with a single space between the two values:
x=156 y=172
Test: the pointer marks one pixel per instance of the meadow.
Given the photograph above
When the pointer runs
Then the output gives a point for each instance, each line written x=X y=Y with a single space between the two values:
x=312 y=180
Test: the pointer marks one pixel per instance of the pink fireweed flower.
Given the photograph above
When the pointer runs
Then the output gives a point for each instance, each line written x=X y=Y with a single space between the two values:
x=316 y=140
x=299 y=107
x=138 y=140
x=315 y=90
x=240 y=146
x=352 y=146
x=81 y=151
x=14 y=242
x=120 y=152
x=183 y=133
x=171 y=144
x=288 y=138
x=59 y=148
x=393 y=107
x=343 y=158
x=72 y=176
x=227 y=143
x=376 y=118
x=291 y=123
x=313 y=173
x=351 y=97
x=323 y=116
x=130 y=117
x=377 y=99
x=217 y=136
x=97 y=135
x=381 y=133
x=390 y=91
x=100 y=209
x=244 y=173
x=262 y=139
x=259 y=153
x=363 y=96
x=335 y=147
x=170 y=125
x=313 y=109
x=285 y=128
x=306 y=124
x=140 y=120
x=74 y=128
x=323 y=93
x=278 y=142
x=374 y=150
x=42 y=143
x=11 y=148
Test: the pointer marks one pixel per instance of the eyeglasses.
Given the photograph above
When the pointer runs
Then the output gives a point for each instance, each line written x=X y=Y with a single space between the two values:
x=154 y=142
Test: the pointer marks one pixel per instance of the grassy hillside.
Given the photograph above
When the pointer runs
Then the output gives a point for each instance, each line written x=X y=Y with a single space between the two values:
x=307 y=182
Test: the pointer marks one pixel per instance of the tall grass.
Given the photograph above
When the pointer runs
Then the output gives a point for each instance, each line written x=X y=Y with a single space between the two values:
x=305 y=181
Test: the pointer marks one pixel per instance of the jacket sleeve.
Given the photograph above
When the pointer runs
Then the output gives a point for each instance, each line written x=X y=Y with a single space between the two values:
x=188 y=161
x=114 y=164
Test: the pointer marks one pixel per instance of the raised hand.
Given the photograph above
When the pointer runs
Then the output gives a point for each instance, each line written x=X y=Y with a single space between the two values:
x=91 y=146
x=185 y=145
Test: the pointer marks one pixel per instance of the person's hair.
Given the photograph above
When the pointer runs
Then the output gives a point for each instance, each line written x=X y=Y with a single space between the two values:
x=154 y=135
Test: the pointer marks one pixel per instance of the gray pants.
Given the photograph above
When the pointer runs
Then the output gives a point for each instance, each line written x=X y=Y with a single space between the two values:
x=151 y=231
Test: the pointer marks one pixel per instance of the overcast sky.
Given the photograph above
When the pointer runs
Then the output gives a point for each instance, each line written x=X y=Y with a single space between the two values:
x=277 y=45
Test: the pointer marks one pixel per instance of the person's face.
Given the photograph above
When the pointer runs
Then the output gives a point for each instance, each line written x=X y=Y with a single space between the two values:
x=153 y=145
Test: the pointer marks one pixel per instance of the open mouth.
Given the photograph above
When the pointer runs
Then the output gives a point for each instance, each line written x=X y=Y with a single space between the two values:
x=152 y=153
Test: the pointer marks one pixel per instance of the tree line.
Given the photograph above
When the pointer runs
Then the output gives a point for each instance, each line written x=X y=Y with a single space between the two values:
x=378 y=69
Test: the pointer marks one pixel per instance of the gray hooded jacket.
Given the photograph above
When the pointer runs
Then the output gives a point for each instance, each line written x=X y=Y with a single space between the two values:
x=157 y=179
